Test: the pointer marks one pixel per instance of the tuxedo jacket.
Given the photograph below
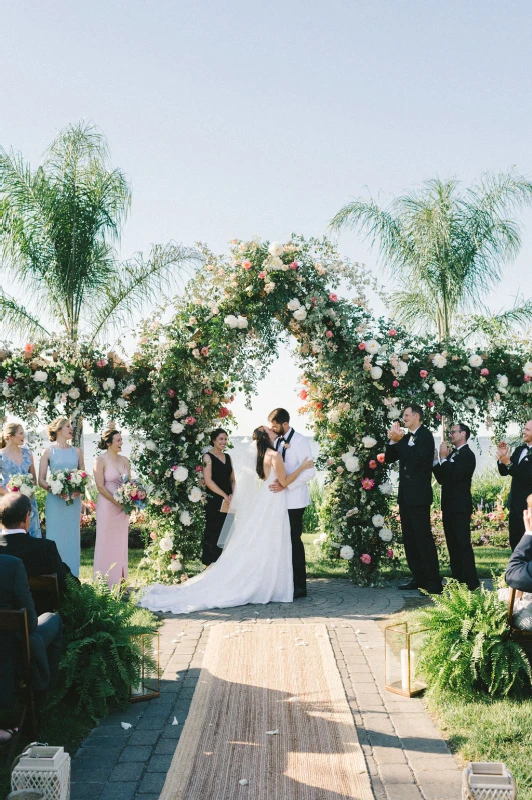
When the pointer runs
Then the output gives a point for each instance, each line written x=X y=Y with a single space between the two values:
x=519 y=569
x=521 y=474
x=455 y=479
x=415 y=467
x=298 y=494
x=39 y=556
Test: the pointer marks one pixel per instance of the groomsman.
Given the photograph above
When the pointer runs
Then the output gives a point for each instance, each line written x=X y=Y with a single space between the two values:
x=519 y=569
x=454 y=472
x=519 y=467
x=415 y=453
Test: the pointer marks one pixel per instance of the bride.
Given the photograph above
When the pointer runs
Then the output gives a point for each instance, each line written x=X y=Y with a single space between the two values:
x=256 y=563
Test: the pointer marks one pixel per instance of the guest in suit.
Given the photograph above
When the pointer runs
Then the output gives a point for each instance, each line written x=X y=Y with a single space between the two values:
x=454 y=472
x=519 y=467
x=519 y=569
x=45 y=634
x=295 y=448
x=415 y=453
x=39 y=556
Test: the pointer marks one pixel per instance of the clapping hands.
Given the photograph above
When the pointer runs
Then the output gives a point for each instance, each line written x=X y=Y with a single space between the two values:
x=444 y=450
x=395 y=433
x=503 y=453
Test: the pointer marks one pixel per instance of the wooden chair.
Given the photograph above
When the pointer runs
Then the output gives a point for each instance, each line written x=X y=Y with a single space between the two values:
x=517 y=634
x=17 y=622
x=45 y=593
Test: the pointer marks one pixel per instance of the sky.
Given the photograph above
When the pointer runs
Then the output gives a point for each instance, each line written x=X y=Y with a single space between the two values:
x=240 y=118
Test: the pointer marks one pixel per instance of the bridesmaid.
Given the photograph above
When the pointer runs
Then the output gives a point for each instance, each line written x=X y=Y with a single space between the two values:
x=15 y=459
x=110 y=470
x=62 y=521
x=219 y=479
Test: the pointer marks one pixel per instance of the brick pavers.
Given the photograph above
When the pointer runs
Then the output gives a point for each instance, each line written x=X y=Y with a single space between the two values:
x=407 y=758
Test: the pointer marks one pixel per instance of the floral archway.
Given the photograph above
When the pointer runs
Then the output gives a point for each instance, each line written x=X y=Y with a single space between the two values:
x=357 y=373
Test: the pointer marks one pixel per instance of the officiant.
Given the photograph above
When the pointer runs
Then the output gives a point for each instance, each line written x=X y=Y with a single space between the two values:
x=219 y=478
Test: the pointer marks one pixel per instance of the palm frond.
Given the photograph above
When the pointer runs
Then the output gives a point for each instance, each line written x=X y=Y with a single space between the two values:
x=14 y=318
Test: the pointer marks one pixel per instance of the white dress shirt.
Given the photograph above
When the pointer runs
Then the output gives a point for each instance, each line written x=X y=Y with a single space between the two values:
x=298 y=494
x=6 y=531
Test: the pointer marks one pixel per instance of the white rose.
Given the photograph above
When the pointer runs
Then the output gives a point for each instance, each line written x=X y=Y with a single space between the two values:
x=333 y=416
x=394 y=413
x=166 y=544
x=439 y=360
x=231 y=321
x=385 y=534
x=40 y=376
x=27 y=491
x=180 y=474
x=66 y=378
x=175 y=566
x=439 y=387
x=376 y=373
x=386 y=488
x=503 y=380
x=195 y=495
x=185 y=518
x=6 y=391
x=470 y=403
x=269 y=287
x=177 y=427
x=300 y=314
x=293 y=304
x=402 y=368
x=475 y=360
x=74 y=393
x=121 y=403
x=150 y=445
x=242 y=322
x=372 y=347
x=527 y=369
x=109 y=384
x=352 y=464
x=56 y=487
x=347 y=552
x=276 y=249
x=369 y=441
x=378 y=520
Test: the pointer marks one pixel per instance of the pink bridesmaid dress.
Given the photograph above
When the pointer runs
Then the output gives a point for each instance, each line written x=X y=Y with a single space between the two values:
x=110 y=553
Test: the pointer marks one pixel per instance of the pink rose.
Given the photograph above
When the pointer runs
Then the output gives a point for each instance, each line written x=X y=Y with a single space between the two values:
x=484 y=371
x=153 y=536
x=333 y=297
x=329 y=334
x=365 y=558
x=294 y=265
x=389 y=553
x=392 y=332
x=223 y=412
x=423 y=373
x=303 y=394
x=10 y=381
x=367 y=483
x=362 y=346
x=339 y=470
x=313 y=301
x=246 y=264
x=28 y=349
x=207 y=391
x=101 y=363
x=199 y=409
x=205 y=351
x=526 y=378
x=171 y=393
x=83 y=474
x=380 y=458
x=395 y=384
x=372 y=464
x=133 y=494
x=15 y=489
x=438 y=417
x=430 y=404
x=199 y=468
x=262 y=275
x=190 y=420
x=167 y=509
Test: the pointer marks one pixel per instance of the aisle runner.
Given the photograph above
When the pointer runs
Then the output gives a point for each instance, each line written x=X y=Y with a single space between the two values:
x=261 y=678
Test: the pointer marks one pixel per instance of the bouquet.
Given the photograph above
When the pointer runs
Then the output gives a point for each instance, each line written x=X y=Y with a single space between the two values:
x=22 y=483
x=131 y=495
x=64 y=481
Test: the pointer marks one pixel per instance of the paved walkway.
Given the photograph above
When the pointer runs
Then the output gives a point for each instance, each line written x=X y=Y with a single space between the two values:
x=406 y=756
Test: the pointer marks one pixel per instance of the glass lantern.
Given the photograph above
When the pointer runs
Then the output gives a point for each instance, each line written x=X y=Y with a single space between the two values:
x=148 y=686
x=401 y=655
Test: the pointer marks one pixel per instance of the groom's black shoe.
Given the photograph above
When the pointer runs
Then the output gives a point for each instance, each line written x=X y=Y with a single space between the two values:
x=298 y=594
x=411 y=584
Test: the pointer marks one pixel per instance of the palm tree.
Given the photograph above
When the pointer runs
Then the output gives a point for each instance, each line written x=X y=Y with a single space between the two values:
x=58 y=229
x=447 y=247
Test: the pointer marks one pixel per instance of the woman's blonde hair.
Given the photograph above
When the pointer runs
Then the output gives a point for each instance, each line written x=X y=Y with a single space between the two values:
x=55 y=426
x=9 y=429
x=107 y=437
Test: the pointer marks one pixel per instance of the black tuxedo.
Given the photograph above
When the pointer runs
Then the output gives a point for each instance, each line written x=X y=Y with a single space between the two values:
x=519 y=569
x=415 y=500
x=39 y=556
x=455 y=476
x=521 y=474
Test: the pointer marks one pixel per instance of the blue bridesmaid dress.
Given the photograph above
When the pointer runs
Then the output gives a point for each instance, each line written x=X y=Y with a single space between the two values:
x=62 y=521
x=8 y=468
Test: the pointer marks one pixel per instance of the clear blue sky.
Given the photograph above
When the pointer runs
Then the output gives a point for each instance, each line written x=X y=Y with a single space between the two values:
x=235 y=118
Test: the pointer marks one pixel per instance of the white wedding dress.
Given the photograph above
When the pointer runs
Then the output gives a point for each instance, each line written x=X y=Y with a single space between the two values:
x=254 y=567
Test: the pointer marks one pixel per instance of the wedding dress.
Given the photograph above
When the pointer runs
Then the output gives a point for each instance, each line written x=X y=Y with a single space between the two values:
x=254 y=567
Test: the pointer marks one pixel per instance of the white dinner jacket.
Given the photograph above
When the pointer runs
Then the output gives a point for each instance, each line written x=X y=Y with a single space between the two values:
x=298 y=493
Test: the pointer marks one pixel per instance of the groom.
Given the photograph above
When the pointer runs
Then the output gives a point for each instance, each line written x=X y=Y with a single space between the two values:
x=294 y=448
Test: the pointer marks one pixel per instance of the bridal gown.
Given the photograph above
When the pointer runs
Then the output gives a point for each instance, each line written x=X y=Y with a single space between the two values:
x=254 y=567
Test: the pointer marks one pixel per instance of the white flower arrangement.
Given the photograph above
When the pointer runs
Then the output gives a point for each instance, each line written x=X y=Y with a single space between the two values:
x=369 y=442
x=347 y=552
x=439 y=387
x=23 y=483
x=293 y=304
x=439 y=361
x=180 y=474
x=475 y=360
x=378 y=520
x=372 y=347
x=385 y=534
x=166 y=544
x=300 y=314
x=195 y=494
x=376 y=373
x=276 y=249
x=40 y=376
x=231 y=321
x=177 y=427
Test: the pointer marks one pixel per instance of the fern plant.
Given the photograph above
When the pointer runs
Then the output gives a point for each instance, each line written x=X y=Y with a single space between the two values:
x=102 y=656
x=468 y=649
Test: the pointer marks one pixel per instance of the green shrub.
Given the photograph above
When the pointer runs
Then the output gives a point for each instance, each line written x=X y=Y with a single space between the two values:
x=311 y=521
x=102 y=655
x=467 y=649
x=489 y=488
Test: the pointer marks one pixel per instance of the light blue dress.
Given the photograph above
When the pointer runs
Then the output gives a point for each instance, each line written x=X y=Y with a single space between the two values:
x=62 y=521
x=8 y=468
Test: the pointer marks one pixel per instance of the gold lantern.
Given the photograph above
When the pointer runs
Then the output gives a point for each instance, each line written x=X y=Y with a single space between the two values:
x=149 y=685
x=402 y=647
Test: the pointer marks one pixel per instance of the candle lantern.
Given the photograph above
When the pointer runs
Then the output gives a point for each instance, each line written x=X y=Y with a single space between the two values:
x=148 y=685
x=45 y=769
x=488 y=780
x=401 y=654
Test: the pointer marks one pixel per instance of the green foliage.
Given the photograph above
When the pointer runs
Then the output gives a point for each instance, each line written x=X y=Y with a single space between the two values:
x=467 y=648
x=489 y=488
x=311 y=519
x=102 y=656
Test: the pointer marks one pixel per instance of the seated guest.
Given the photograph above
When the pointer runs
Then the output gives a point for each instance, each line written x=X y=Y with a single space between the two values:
x=45 y=635
x=39 y=556
x=519 y=569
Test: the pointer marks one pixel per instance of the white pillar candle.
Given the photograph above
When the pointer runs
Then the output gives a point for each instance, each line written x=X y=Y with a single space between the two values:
x=405 y=683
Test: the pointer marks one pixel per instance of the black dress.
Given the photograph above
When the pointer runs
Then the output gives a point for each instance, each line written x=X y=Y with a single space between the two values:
x=214 y=518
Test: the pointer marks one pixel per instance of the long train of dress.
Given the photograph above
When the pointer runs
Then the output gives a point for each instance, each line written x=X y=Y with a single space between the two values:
x=255 y=566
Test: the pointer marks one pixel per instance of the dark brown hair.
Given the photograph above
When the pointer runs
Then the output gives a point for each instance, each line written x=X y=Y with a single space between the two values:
x=260 y=436
x=279 y=415
x=14 y=508
x=215 y=433
x=415 y=409
x=107 y=437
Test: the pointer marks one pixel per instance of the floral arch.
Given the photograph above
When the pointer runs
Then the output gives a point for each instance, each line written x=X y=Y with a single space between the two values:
x=357 y=372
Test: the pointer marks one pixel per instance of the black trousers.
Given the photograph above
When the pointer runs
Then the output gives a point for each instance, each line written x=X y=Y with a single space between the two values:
x=516 y=526
x=214 y=522
x=298 y=550
x=457 y=528
x=420 y=548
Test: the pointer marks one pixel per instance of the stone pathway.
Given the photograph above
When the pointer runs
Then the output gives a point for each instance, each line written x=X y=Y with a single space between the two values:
x=406 y=756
